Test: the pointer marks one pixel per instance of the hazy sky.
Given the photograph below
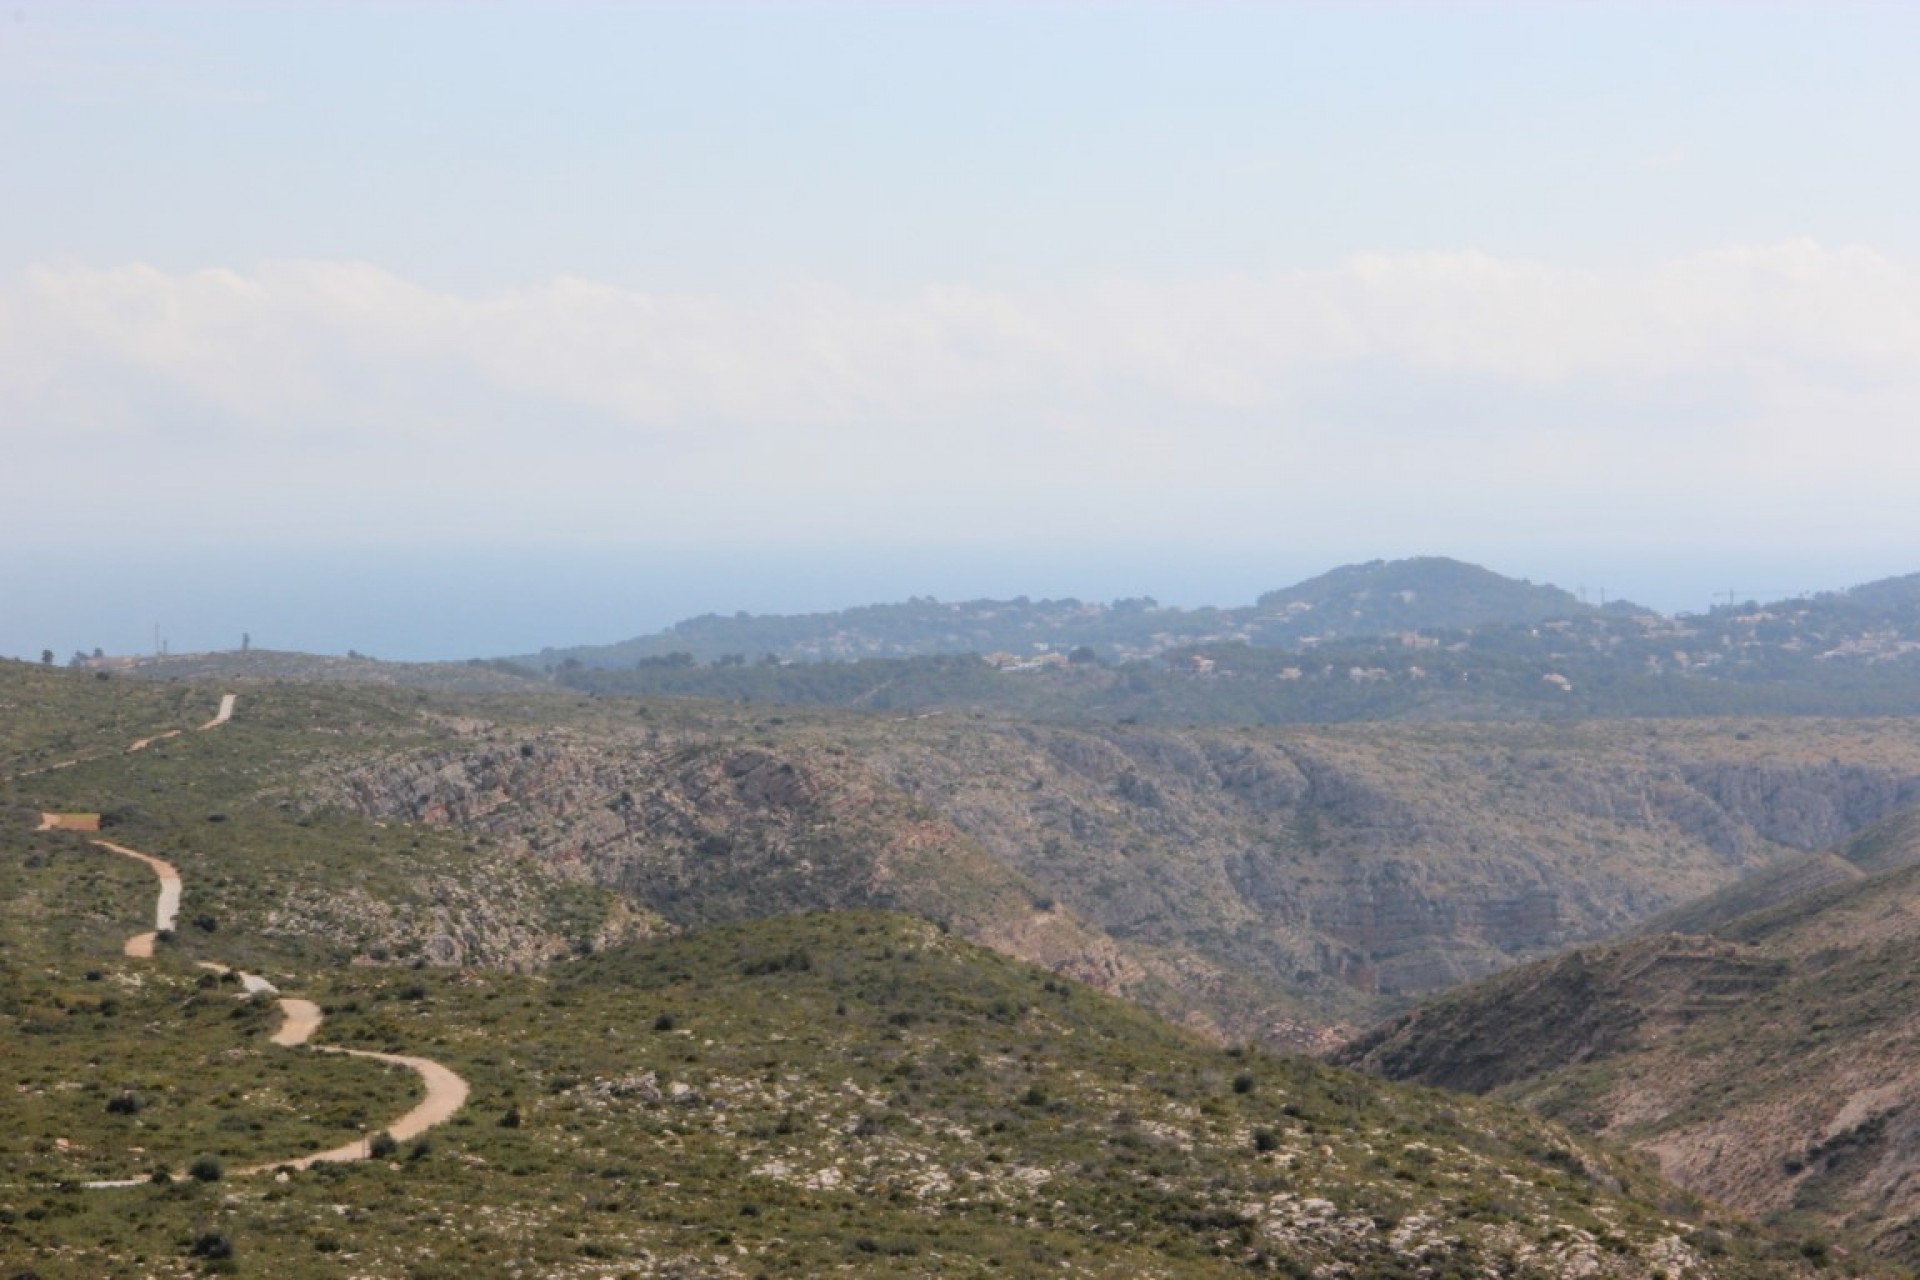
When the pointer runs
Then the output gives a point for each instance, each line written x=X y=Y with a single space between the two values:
x=1184 y=299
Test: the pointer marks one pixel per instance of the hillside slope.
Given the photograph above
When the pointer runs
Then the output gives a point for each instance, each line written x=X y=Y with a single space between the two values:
x=1262 y=885
x=1770 y=1066
x=842 y=1092
x=856 y=1094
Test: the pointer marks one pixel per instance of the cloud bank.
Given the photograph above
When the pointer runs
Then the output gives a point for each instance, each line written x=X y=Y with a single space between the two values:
x=1384 y=380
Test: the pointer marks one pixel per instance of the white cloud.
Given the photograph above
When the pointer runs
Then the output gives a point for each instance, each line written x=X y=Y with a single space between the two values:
x=1771 y=363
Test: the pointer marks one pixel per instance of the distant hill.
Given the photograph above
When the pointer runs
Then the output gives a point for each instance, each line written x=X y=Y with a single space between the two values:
x=1767 y=1064
x=1887 y=596
x=1428 y=593
x=1377 y=599
x=1424 y=639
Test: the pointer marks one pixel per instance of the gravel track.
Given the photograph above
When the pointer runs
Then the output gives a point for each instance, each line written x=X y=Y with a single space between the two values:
x=446 y=1092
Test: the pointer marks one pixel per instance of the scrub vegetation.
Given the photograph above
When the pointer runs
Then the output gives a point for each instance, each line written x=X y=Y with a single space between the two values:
x=847 y=1091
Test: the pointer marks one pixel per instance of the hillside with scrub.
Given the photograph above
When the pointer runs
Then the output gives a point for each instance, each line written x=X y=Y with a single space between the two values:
x=1280 y=885
x=1756 y=1043
x=801 y=1092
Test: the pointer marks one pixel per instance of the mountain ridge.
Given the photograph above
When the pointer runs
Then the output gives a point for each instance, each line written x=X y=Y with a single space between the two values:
x=1378 y=597
x=1367 y=599
x=1421 y=639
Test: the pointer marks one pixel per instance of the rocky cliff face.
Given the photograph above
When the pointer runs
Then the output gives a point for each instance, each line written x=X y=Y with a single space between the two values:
x=1383 y=862
x=1805 y=807
x=1262 y=885
x=707 y=831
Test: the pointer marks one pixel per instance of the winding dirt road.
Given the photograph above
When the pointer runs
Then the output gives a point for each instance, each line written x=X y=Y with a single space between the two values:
x=220 y=717
x=446 y=1092
x=165 y=912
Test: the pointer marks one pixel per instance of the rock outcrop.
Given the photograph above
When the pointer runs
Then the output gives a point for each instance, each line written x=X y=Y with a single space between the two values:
x=702 y=832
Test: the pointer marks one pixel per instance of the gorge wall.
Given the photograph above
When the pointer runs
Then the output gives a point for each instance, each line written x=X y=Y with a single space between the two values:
x=1260 y=884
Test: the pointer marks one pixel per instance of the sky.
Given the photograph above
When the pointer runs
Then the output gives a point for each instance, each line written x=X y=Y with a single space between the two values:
x=442 y=330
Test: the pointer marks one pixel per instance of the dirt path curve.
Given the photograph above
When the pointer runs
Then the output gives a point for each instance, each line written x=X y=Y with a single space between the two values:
x=446 y=1094
x=251 y=984
x=140 y=946
x=69 y=822
x=300 y=1019
x=220 y=717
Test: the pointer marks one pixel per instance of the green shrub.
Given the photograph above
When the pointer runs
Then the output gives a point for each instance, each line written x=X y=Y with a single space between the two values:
x=212 y=1245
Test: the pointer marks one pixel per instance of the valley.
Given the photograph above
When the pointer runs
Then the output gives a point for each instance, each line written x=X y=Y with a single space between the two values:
x=795 y=641
x=717 y=1059
x=1261 y=886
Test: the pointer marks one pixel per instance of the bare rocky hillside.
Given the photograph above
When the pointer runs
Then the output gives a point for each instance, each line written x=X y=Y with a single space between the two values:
x=1769 y=1064
x=1258 y=884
